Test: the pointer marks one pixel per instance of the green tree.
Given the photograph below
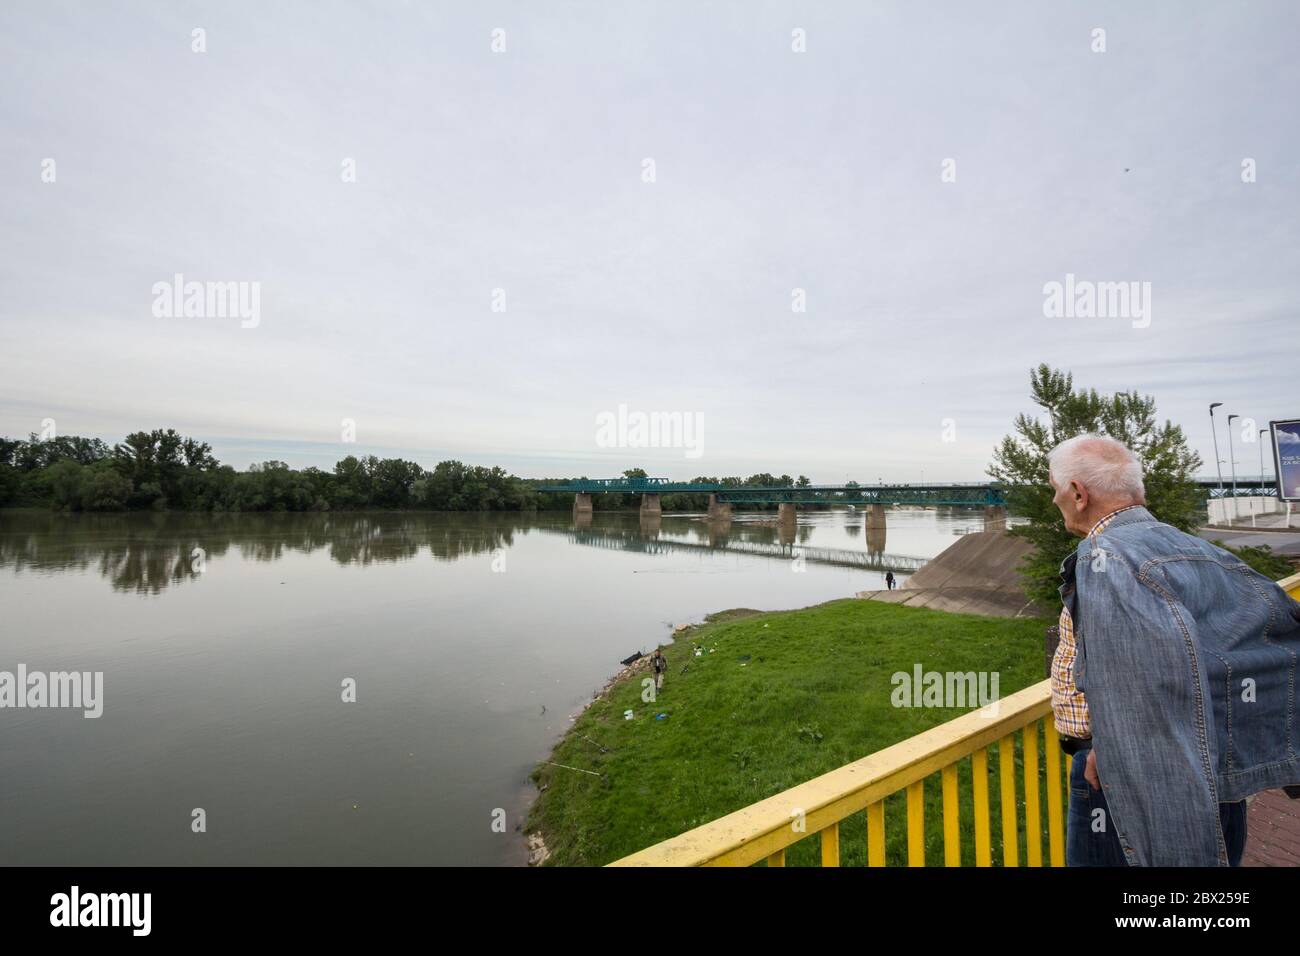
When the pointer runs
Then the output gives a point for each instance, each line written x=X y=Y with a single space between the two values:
x=352 y=484
x=392 y=481
x=1020 y=463
x=64 y=478
x=103 y=488
x=10 y=482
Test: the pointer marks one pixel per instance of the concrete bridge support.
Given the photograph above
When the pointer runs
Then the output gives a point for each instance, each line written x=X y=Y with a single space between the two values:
x=582 y=503
x=785 y=514
x=650 y=506
x=875 y=516
x=719 y=510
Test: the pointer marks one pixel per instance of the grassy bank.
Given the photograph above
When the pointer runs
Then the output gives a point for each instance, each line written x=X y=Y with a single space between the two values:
x=774 y=700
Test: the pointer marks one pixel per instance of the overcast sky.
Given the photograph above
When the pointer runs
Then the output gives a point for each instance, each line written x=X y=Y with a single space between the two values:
x=523 y=170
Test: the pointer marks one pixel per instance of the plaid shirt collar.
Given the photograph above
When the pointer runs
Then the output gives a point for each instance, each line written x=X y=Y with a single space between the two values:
x=1101 y=525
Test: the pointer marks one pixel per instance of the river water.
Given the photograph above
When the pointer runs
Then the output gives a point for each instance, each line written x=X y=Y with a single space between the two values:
x=225 y=643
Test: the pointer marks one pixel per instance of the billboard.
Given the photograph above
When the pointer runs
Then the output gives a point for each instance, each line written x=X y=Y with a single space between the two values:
x=1286 y=458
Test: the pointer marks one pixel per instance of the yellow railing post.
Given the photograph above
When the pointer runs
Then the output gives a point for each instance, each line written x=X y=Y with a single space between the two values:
x=916 y=823
x=876 y=833
x=979 y=768
x=1007 y=787
x=1033 y=813
x=951 y=830
x=831 y=845
x=1055 y=818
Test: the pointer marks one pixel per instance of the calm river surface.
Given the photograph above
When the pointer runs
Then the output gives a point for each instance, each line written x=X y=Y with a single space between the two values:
x=471 y=640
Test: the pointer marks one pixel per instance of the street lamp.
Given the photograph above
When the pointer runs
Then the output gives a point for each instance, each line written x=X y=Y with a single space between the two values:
x=1232 y=464
x=1218 y=462
x=1262 y=433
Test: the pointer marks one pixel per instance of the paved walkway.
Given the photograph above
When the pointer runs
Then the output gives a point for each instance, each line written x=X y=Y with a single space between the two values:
x=1282 y=542
x=1272 y=831
x=1270 y=521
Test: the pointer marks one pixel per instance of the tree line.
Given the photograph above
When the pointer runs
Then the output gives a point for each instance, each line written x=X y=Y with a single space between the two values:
x=163 y=470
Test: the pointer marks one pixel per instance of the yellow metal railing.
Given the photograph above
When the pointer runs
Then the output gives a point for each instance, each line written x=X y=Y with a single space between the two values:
x=764 y=830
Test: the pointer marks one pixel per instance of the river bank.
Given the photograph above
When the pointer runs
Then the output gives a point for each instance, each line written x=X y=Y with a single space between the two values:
x=753 y=704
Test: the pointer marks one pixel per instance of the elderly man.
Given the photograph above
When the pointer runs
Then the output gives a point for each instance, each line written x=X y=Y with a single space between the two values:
x=1174 y=684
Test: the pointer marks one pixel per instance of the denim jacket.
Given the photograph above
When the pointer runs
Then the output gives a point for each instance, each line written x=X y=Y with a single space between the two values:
x=1188 y=661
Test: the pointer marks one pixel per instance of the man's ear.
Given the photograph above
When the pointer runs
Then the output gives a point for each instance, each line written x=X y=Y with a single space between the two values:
x=1079 y=495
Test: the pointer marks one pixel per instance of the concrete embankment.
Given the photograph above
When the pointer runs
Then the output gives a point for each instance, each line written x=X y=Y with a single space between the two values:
x=977 y=574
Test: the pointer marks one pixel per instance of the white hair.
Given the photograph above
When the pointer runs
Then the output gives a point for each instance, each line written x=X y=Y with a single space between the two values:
x=1104 y=466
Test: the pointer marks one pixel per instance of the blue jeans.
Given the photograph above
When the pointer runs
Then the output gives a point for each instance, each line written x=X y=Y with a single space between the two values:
x=1091 y=840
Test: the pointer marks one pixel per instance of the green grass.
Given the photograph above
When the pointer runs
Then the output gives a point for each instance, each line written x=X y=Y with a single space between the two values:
x=814 y=694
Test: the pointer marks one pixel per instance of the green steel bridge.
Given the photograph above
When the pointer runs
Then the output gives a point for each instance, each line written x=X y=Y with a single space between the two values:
x=972 y=495
x=969 y=494
x=1266 y=488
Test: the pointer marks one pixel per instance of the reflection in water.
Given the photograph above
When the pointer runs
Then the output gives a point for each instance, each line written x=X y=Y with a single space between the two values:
x=147 y=553
x=755 y=539
x=876 y=537
x=719 y=531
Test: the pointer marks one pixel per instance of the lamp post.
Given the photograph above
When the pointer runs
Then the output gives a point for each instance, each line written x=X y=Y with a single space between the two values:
x=1218 y=462
x=1262 y=433
x=1232 y=465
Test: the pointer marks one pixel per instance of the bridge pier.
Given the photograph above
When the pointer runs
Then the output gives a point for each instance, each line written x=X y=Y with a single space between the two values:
x=650 y=506
x=719 y=510
x=785 y=514
x=582 y=503
x=876 y=516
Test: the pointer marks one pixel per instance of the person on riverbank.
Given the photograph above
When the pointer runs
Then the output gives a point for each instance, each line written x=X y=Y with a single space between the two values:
x=660 y=664
x=889 y=580
x=1171 y=682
